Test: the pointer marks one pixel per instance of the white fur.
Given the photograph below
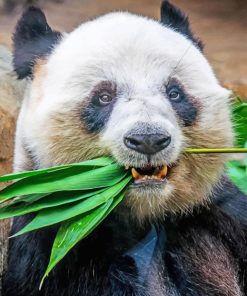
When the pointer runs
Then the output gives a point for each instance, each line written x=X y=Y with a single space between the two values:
x=139 y=55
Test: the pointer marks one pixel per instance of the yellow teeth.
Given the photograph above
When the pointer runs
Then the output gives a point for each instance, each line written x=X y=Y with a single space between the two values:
x=135 y=174
x=163 y=172
x=158 y=174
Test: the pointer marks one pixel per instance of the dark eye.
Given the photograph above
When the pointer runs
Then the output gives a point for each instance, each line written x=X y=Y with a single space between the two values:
x=174 y=95
x=104 y=99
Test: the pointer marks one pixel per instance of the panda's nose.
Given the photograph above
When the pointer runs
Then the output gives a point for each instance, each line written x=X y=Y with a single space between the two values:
x=147 y=143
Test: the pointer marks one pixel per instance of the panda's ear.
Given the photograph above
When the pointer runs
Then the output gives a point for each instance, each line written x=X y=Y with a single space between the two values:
x=174 y=18
x=33 y=39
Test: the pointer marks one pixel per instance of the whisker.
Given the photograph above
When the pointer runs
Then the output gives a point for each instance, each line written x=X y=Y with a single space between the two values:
x=180 y=60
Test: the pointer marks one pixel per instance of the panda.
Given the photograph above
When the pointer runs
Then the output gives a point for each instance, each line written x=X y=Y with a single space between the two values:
x=141 y=91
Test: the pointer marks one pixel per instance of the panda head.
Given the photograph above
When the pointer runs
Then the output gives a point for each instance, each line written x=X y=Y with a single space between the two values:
x=131 y=87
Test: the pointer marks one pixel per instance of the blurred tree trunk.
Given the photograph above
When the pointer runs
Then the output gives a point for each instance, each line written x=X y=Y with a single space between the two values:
x=11 y=93
x=9 y=5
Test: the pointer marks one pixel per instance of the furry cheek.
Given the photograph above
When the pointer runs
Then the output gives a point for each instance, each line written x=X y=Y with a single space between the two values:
x=67 y=140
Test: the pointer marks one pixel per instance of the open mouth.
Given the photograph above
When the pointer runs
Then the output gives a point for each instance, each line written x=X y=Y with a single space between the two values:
x=149 y=174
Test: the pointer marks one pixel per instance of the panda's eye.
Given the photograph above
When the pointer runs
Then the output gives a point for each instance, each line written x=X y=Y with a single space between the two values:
x=174 y=95
x=175 y=91
x=105 y=99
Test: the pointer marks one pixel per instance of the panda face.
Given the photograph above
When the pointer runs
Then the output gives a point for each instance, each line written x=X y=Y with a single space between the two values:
x=129 y=87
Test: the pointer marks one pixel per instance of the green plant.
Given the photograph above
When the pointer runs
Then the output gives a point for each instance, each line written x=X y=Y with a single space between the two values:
x=80 y=196
x=237 y=169
x=239 y=117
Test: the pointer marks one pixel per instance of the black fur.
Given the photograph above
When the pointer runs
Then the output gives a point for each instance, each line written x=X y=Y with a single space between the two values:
x=174 y=18
x=33 y=39
x=94 y=115
x=185 y=107
x=236 y=208
x=98 y=265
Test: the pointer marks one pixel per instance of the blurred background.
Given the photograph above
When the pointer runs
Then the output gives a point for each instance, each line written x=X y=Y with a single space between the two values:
x=221 y=24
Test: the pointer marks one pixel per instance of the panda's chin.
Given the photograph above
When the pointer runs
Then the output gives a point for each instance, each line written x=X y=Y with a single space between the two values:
x=149 y=185
x=147 y=200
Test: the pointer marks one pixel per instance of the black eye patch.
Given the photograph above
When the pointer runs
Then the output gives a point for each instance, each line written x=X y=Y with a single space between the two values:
x=99 y=106
x=181 y=102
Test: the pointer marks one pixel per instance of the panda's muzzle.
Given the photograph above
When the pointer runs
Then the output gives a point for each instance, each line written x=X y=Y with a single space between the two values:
x=149 y=140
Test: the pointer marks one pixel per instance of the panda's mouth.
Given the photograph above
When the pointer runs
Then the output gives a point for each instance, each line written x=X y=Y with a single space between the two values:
x=150 y=174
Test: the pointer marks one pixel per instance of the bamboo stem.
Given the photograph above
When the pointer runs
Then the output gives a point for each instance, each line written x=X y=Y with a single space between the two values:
x=216 y=150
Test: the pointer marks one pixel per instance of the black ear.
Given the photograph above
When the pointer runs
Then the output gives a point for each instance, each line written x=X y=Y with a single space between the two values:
x=174 y=18
x=33 y=39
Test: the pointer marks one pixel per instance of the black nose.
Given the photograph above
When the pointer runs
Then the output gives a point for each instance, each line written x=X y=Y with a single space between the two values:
x=147 y=143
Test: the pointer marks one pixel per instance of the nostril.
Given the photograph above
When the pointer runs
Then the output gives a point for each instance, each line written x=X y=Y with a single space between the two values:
x=131 y=142
x=164 y=142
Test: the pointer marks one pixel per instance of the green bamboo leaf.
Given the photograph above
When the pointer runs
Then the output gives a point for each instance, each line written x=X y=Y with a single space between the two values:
x=21 y=207
x=85 y=165
x=23 y=199
x=239 y=117
x=238 y=174
x=30 y=198
x=63 y=180
x=240 y=107
x=55 y=215
x=74 y=230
